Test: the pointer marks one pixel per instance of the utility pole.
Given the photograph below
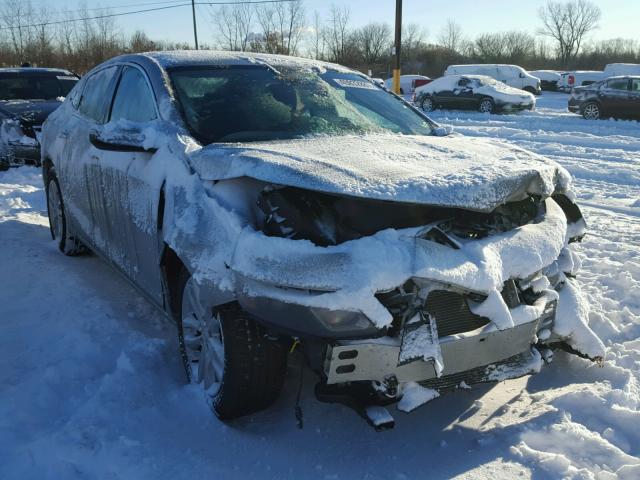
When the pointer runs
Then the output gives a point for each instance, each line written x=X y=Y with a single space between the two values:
x=398 y=42
x=195 y=29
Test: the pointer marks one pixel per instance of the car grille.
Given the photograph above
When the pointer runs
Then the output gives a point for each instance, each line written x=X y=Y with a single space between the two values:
x=452 y=313
x=513 y=367
x=450 y=309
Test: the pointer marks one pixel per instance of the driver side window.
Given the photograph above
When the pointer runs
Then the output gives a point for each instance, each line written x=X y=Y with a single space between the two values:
x=618 y=84
x=133 y=100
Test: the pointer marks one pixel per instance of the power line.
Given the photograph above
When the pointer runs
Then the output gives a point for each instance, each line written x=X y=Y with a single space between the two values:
x=120 y=14
x=109 y=8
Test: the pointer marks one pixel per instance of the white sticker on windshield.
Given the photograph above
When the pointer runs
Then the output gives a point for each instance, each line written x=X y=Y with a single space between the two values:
x=65 y=77
x=346 y=83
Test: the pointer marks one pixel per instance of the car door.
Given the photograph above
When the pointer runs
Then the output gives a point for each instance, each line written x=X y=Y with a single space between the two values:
x=76 y=164
x=614 y=95
x=128 y=185
x=463 y=95
x=633 y=108
x=445 y=97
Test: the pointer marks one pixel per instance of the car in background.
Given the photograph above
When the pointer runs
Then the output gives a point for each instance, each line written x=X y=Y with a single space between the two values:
x=616 y=97
x=579 y=78
x=408 y=83
x=27 y=96
x=620 y=69
x=472 y=92
x=511 y=75
x=548 y=79
x=251 y=198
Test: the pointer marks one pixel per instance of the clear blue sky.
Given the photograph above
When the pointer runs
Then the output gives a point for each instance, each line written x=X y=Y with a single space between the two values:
x=621 y=18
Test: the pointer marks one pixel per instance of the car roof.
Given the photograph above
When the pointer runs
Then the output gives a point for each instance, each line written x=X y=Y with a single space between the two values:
x=35 y=71
x=195 y=58
x=472 y=75
x=475 y=65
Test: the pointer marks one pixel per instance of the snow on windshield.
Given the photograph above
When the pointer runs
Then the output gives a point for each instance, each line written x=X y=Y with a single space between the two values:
x=252 y=103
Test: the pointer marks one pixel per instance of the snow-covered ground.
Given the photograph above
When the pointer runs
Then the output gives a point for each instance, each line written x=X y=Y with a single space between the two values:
x=91 y=384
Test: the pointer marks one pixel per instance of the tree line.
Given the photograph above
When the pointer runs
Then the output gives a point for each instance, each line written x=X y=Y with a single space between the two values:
x=73 y=39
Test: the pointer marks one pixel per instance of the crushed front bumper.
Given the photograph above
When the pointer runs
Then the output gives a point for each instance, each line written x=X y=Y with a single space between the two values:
x=16 y=155
x=377 y=361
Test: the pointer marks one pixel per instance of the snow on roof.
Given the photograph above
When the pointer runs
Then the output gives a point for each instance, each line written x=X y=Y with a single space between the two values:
x=35 y=70
x=175 y=58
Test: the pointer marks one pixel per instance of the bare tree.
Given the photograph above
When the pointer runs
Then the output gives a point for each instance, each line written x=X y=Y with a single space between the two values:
x=373 y=41
x=451 y=36
x=507 y=47
x=234 y=24
x=317 y=50
x=568 y=24
x=490 y=47
x=140 y=42
x=337 y=35
x=282 y=27
x=14 y=16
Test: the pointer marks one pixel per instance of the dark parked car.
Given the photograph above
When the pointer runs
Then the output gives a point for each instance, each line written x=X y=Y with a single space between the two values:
x=268 y=203
x=27 y=97
x=617 y=97
x=472 y=92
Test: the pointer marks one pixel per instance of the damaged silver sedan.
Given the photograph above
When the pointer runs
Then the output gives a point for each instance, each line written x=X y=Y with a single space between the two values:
x=267 y=202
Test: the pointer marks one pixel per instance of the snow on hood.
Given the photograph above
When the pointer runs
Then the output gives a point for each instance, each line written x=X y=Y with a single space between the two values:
x=33 y=112
x=453 y=171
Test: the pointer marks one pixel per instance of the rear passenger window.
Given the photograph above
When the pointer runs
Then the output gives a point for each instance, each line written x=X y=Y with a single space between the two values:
x=96 y=95
x=635 y=84
x=133 y=100
x=618 y=84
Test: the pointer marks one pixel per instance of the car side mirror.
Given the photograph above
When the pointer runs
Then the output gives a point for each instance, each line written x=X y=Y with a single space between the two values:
x=443 y=130
x=521 y=75
x=121 y=140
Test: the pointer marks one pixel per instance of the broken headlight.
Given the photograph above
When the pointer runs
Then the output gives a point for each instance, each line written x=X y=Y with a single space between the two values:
x=327 y=219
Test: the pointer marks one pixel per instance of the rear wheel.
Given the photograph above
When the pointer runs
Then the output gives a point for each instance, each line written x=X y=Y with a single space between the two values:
x=427 y=104
x=591 y=111
x=239 y=367
x=486 y=105
x=58 y=224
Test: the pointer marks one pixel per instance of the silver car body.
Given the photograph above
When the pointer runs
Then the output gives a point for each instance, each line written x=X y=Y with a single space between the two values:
x=175 y=198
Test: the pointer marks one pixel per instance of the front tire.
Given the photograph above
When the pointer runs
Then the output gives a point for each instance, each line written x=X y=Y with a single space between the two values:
x=591 y=111
x=427 y=104
x=239 y=367
x=58 y=224
x=486 y=105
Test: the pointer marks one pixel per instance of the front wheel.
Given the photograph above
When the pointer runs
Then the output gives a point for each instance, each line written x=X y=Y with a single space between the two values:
x=427 y=104
x=591 y=111
x=240 y=368
x=58 y=224
x=486 y=105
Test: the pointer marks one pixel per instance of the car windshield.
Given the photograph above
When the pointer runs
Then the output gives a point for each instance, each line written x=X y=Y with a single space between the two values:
x=35 y=87
x=244 y=104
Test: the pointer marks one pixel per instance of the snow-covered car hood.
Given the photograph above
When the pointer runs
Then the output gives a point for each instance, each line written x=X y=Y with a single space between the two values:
x=453 y=171
x=32 y=112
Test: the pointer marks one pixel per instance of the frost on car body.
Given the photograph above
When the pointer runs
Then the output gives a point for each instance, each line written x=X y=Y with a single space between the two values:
x=396 y=259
